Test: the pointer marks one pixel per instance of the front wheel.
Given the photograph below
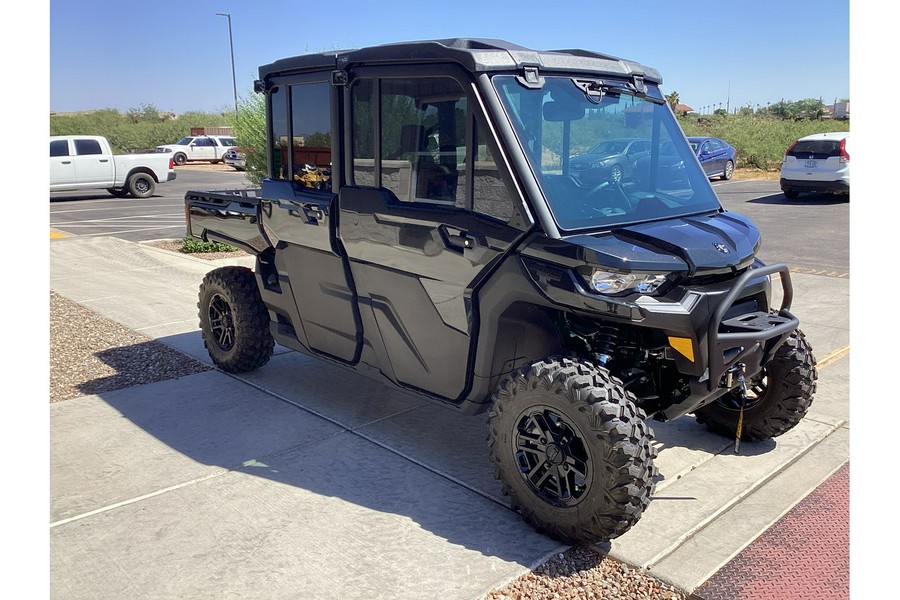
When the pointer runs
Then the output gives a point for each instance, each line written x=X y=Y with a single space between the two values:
x=791 y=194
x=615 y=174
x=777 y=398
x=141 y=185
x=179 y=158
x=572 y=450
x=234 y=320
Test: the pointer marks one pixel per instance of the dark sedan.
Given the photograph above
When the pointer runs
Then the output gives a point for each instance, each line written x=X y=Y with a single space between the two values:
x=610 y=160
x=716 y=156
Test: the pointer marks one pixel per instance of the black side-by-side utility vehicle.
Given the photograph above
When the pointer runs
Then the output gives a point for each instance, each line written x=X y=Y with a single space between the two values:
x=515 y=231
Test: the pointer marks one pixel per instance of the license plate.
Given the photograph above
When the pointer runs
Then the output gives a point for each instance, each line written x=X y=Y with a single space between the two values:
x=810 y=164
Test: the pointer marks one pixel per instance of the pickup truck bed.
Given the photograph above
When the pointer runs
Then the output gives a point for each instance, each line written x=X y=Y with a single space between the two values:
x=228 y=216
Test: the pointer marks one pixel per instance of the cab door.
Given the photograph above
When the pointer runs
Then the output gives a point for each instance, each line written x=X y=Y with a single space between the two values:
x=301 y=218
x=92 y=166
x=62 y=167
x=422 y=220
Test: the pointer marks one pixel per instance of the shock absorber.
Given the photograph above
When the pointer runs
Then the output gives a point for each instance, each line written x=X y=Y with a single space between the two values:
x=604 y=342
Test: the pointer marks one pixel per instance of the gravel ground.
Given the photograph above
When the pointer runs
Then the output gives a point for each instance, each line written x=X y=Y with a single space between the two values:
x=90 y=354
x=584 y=574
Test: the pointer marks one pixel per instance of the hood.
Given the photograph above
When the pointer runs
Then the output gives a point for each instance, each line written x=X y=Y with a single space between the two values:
x=701 y=245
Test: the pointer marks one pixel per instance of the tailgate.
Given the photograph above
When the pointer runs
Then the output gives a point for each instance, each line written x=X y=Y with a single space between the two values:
x=230 y=216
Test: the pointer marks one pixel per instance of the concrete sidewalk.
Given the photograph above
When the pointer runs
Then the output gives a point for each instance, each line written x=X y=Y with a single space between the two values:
x=303 y=480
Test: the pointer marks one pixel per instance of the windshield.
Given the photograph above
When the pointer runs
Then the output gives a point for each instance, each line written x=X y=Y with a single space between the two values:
x=185 y=141
x=603 y=155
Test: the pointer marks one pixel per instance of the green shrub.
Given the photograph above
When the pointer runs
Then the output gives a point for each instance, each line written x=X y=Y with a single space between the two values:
x=191 y=246
x=760 y=140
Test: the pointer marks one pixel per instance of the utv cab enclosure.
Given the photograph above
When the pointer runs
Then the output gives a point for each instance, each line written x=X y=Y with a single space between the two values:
x=422 y=223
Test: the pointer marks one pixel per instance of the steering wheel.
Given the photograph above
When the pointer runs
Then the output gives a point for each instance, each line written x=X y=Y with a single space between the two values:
x=615 y=186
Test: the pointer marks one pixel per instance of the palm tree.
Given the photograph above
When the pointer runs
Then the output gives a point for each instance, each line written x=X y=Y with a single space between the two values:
x=673 y=100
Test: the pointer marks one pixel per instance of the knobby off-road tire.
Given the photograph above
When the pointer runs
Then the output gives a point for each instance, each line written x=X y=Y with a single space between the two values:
x=234 y=321
x=778 y=397
x=572 y=450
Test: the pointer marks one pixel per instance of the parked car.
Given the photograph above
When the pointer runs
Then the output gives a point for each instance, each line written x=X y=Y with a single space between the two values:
x=610 y=160
x=79 y=162
x=817 y=163
x=717 y=157
x=235 y=158
x=200 y=147
x=670 y=168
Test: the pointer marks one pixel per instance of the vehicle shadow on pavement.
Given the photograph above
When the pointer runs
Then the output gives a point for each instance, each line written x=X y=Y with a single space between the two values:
x=816 y=199
x=337 y=437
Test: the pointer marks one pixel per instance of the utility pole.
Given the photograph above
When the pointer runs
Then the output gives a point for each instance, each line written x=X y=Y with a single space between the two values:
x=231 y=45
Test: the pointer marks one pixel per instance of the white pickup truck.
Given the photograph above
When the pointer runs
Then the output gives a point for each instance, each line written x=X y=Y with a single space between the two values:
x=86 y=161
x=199 y=147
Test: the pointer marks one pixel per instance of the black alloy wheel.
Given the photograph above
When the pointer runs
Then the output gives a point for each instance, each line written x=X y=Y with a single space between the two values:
x=221 y=322
x=552 y=456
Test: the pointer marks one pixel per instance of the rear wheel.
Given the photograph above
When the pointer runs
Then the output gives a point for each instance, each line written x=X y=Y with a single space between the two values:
x=572 y=451
x=778 y=397
x=729 y=170
x=234 y=321
x=141 y=185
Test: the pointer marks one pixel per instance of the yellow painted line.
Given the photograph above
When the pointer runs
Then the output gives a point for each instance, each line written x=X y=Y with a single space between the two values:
x=57 y=234
x=834 y=355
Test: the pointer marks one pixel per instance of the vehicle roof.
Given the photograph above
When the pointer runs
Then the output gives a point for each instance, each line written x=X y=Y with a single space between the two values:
x=476 y=55
x=831 y=135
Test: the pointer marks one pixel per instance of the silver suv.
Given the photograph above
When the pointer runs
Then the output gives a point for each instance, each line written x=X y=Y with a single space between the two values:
x=817 y=163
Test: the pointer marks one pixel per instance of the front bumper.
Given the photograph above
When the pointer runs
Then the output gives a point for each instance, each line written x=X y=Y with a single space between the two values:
x=747 y=340
x=710 y=330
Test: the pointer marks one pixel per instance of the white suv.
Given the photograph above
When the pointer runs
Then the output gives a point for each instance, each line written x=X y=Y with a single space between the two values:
x=199 y=147
x=817 y=163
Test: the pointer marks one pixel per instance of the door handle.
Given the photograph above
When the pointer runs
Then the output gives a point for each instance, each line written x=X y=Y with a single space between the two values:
x=314 y=212
x=456 y=238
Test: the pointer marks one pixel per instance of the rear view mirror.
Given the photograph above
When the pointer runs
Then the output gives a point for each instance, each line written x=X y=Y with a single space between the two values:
x=561 y=110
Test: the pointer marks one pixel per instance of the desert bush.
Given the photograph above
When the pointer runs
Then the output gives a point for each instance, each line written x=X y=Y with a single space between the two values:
x=760 y=141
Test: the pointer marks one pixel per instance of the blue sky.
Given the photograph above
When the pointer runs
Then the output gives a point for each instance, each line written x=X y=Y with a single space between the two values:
x=176 y=57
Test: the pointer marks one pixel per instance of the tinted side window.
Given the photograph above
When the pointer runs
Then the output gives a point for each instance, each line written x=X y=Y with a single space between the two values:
x=83 y=147
x=59 y=148
x=311 y=134
x=491 y=195
x=423 y=139
x=279 y=137
x=363 y=132
x=204 y=142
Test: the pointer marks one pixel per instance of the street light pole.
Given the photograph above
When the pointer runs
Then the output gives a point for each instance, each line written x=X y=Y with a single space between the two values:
x=231 y=45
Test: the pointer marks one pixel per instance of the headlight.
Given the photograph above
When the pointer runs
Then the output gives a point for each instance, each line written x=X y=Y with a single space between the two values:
x=163 y=149
x=610 y=282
